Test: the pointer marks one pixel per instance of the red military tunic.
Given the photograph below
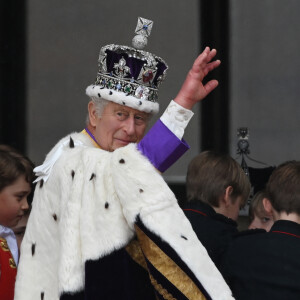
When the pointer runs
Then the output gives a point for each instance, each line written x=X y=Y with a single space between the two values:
x=8 y=272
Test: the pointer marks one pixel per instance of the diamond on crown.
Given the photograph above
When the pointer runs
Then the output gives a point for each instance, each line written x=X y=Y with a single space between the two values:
x=121 y=69
x=127 y=86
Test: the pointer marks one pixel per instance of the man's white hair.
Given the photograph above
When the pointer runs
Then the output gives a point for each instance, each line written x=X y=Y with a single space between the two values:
x=100 y=104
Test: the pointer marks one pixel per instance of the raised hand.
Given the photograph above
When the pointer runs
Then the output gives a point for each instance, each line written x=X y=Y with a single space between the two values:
x=193 y=90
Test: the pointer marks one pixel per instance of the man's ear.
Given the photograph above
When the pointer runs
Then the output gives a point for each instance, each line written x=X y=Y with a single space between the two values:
x=267 y=205
x=92 y=114
x=227 y=195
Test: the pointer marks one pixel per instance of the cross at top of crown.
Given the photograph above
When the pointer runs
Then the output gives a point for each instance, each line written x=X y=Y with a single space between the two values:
x=144 y=27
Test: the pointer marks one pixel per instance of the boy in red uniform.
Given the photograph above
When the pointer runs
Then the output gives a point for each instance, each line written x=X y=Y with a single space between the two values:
x=16 y=175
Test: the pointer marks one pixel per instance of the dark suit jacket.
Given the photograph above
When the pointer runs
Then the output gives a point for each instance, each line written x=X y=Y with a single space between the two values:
x=214 y=230
x=260 y=265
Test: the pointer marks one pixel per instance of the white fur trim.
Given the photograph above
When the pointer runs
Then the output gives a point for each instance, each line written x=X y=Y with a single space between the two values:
x=43 y=171
x=122 y=99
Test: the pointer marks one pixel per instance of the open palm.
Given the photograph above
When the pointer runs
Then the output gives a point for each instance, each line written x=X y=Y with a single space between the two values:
x=193 y=90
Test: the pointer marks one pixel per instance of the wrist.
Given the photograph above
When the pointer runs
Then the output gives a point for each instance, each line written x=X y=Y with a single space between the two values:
x=180 y=100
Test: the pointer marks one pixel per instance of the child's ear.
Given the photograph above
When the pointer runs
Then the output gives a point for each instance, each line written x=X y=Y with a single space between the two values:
x=267 y=205
x=227 y=195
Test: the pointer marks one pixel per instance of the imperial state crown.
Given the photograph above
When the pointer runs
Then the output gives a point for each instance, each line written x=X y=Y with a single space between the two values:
x=130 y=76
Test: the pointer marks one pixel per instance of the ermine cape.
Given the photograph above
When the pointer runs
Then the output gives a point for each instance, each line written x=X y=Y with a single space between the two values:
x=105 y=225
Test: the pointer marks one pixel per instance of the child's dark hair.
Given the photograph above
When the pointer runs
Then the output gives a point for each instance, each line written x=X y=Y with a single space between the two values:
x=13 y=164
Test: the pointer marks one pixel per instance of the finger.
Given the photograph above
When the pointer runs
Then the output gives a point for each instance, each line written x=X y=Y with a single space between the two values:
x=206 y=50
x=211 y=54
x=202 y=56
x=197 y=67
x=203 y=71
x=211 y=66
x=203 y=60
x=210 y=86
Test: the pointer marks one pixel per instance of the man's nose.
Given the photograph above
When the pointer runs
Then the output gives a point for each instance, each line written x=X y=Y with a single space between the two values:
x=129 y=126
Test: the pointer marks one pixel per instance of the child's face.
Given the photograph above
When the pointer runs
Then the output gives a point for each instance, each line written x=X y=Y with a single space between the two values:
x=262 y=220
x=13 y=202
x=20 y=228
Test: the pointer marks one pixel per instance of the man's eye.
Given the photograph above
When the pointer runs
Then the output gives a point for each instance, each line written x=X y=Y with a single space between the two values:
x=121 y=115
x=265 y=220
x=139 y=120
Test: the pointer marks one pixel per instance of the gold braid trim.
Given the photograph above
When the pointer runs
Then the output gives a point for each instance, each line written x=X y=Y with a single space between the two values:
x=166 y=295
x=135 y=251
x=168 y=268
x=12 y=263
x=3 y=244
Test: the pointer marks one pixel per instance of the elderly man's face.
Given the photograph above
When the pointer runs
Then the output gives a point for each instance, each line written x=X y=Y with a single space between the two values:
x=118 y=125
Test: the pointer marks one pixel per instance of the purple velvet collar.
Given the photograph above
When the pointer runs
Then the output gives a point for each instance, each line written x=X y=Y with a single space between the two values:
x=92 y=136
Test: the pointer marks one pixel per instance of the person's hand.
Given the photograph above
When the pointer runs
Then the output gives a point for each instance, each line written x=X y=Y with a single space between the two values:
x=193 y=90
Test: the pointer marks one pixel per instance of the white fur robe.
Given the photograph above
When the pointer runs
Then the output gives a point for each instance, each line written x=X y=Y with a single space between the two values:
x=87 y=209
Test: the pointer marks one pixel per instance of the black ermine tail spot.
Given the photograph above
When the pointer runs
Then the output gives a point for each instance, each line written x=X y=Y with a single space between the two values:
x=54 y=217
x=73 y=174
x=41 y=183
x=106 y=205
x=33 y=249
x=92 y=176
x=184 y=237
x=71 y=143
x=110 y=92
x=99 y=95
x=141 y=191
x=122 y=161
x=42 y=295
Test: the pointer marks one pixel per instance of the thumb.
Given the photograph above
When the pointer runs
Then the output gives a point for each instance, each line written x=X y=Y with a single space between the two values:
x=210 y=86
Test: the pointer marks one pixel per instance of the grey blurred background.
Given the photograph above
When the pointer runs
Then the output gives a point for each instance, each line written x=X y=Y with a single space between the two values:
x=49 y=52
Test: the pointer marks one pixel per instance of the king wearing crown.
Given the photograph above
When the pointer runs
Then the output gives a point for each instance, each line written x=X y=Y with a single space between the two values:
x=104 y=224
